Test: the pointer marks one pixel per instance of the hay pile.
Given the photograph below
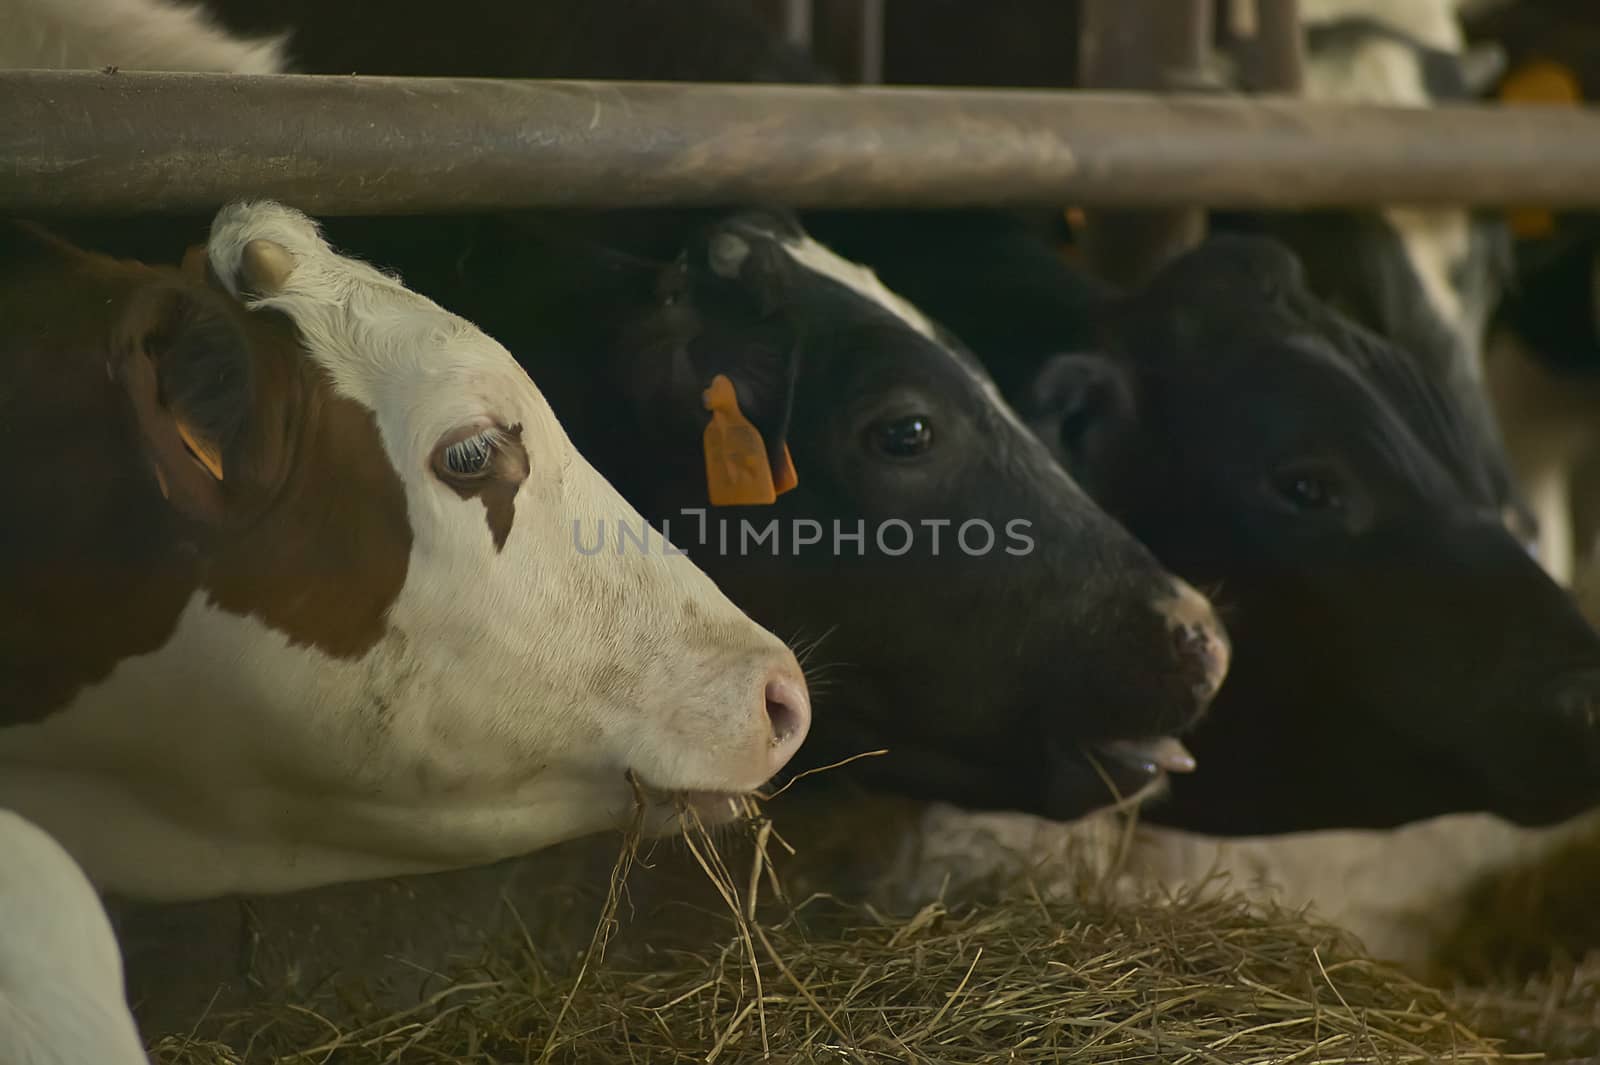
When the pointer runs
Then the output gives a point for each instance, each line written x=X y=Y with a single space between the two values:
x=1527 y=953
x=1010 y=977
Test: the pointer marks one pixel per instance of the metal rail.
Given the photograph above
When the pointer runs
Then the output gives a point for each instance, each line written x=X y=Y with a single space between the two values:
x=91 y=142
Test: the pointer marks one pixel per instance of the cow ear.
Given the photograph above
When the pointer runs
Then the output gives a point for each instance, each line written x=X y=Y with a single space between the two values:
x=748 y=263
x=184 y=367
x=1084 y=407
x=716 y=356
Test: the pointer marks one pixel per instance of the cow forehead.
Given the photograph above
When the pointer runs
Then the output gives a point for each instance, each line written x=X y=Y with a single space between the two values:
x=824 y=262
x=390 y=349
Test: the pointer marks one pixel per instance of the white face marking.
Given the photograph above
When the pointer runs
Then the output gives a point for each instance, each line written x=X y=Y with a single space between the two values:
x=825 y=262
x=1434 y=23
x=820 y=259
x=129 y=34
x=61 y=997
x=513 y=688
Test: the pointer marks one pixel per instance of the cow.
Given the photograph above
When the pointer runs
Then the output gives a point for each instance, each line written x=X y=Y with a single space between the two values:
x=1541 y=375
x=1398 y=653
x=294 y=598
x=61 y=997
x=1544 y=347
x=1426 y=279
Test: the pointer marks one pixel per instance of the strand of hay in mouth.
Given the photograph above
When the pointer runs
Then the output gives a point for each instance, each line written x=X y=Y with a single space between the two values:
x=1014 y=977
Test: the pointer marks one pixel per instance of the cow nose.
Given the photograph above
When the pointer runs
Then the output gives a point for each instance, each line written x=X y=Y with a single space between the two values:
x=1199 y=641
x=788 y=713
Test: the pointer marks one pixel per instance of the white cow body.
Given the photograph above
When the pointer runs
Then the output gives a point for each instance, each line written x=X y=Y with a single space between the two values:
x=509 y=684
x=61 y=997
x=128 y=34
x=1403 y=892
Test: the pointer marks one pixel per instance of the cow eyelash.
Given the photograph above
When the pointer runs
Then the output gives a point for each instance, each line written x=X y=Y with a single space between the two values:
x=470 y=457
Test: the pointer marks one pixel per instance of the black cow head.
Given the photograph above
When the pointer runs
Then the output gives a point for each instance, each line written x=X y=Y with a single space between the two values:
x=974 y=612
x=1398 y=653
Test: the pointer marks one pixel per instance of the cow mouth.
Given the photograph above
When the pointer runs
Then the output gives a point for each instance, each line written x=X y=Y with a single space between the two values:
x=670 y=810
x=1132 y=770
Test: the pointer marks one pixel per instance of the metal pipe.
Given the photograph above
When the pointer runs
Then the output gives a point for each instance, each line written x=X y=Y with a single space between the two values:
x=92 y=142
x=1144 y=45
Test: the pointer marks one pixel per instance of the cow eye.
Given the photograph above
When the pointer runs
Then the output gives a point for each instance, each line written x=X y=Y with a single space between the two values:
x=467 y=457
x=1309 y=489
x=902 y=438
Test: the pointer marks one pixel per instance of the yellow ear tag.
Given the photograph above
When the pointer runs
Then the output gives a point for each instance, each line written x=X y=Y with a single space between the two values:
x=206 y=455
x=737 y=470
x=1539 y=82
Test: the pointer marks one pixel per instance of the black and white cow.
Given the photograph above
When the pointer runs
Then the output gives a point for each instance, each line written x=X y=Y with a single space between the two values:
x=1399 y=655
x=1426 y=279
x=1543 y=360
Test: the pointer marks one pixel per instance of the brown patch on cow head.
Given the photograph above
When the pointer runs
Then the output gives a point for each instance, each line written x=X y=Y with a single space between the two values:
x=320 y=539
x=164 y=440
x=489 y=464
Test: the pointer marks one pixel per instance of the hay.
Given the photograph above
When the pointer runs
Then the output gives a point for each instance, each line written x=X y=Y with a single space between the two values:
x=1557 y=1012
x=1013 y=976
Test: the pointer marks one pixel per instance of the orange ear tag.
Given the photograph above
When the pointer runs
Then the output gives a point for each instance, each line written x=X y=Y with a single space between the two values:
x=737 y=470
x=1538 y=82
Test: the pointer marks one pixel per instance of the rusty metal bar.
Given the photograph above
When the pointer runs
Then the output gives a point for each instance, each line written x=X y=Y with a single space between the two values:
x=91 y=142
x=1152 y=45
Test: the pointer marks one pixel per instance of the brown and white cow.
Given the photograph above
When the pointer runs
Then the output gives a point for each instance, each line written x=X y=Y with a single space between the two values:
x=289 y=591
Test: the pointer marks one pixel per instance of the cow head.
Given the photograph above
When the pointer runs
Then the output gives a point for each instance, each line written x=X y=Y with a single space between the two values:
x=1398 y=652
x=1425 y=278
x=976 y=614
x=347 y=629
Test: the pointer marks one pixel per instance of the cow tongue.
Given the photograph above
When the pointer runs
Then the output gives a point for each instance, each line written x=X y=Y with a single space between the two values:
x=1164 y=752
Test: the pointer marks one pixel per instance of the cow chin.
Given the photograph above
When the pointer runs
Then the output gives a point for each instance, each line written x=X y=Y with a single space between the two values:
x=1082 y=781
x=669 y=813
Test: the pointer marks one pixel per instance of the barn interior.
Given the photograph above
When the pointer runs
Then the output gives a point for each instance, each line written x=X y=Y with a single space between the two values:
x=1275 y=737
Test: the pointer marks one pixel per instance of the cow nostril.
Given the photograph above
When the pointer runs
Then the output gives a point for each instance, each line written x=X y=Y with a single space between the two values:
x=788 y=711
x=1198 y=641
x=1202 y=656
